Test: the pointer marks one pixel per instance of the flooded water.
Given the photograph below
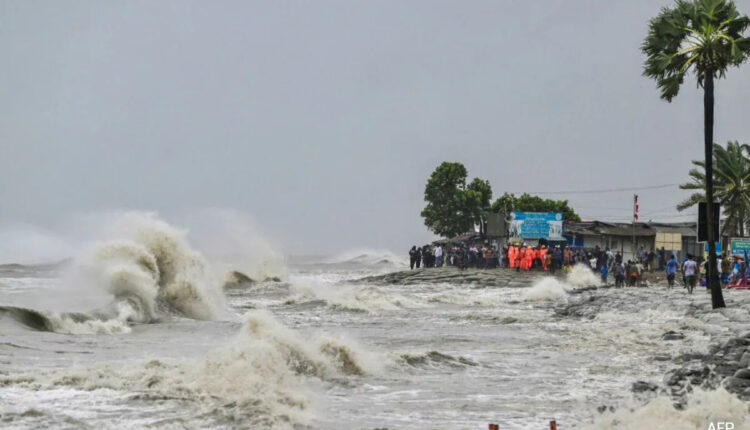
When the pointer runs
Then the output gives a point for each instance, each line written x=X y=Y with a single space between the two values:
x=142 y=333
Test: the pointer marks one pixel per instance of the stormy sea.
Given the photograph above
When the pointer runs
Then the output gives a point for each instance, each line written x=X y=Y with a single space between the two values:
x=142 y=330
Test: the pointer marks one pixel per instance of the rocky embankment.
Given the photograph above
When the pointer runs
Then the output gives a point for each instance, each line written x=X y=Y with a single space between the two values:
x=452 y=275
x=726 y=364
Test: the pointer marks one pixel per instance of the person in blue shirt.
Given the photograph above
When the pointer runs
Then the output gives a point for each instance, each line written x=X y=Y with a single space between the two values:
x=671 y=269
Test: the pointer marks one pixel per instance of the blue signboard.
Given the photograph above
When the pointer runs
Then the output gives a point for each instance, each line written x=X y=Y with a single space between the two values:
x=536 y=225
x=717 y=245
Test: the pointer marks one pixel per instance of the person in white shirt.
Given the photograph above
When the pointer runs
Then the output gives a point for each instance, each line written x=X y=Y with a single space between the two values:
x=438 y=256
x=690 y=269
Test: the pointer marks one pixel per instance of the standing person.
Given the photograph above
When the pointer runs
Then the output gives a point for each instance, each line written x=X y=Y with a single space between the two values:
x=512 y=256
x=412 y=257
x=690 y=269
x=662 y=258
x=543 y=257
x=651 y=257
x=619 y=274
x=489 y=257
x=418 y=257
x=641 y=254
x=634 y=272
x=557 y=259
x=530 y=257
x=671 y=268
x=601 y=260
x=604 y=271
x=726 y=268
x=438 y=256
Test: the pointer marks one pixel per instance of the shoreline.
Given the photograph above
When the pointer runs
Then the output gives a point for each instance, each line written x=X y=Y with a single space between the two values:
x=726 y=364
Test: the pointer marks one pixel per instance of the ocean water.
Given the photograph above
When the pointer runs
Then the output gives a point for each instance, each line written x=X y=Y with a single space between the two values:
x=145 y=332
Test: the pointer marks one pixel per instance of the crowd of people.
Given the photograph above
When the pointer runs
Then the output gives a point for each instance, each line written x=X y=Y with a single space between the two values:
x=731 y=269
x=518 y=256
x=524 y=257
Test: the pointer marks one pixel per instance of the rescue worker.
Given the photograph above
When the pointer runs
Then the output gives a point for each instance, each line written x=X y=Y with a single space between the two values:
x=543 y=257
x=530 y=255
x=521 y=259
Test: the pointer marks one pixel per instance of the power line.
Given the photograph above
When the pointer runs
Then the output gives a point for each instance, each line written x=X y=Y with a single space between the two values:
x=605 y=190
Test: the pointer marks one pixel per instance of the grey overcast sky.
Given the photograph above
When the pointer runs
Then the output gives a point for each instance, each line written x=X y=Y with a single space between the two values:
x=322 y=120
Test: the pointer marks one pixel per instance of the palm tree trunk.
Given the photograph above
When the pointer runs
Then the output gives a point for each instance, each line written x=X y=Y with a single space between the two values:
x=717 y=299
x=741 y=224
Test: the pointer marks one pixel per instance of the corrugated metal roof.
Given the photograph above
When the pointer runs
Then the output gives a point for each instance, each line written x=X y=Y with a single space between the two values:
x=684 y=228
x=595 y=228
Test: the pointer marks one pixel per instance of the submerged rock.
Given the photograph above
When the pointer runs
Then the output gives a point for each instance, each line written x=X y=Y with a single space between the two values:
x=453 y=275
x=641 y=386
x=673 y=335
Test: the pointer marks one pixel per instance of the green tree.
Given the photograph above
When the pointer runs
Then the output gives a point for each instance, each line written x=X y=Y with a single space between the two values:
x=705 y=37
x=529 y=203
x=731 y=186
x=480 y=191
x=450 y=210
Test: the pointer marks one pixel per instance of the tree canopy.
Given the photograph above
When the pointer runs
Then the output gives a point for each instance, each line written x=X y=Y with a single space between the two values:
x=705 y=36
x=452 y=207
x=529 y=203
x=731 y=185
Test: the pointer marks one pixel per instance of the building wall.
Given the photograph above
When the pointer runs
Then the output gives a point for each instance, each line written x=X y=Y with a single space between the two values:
x=623 y=244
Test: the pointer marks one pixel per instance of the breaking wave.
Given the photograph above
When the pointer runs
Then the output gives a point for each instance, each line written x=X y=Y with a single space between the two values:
x=553 y=289
x=73 y=322
x=148 y=271
x=703 y=408
x=259 y=380
x=581 y=276
x=435 y=359
x=357 y=298
x=155 y=267
x=383 y=258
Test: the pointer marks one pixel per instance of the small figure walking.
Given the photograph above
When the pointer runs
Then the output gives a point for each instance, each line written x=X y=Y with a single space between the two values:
x=671 y=270
x=689 y=269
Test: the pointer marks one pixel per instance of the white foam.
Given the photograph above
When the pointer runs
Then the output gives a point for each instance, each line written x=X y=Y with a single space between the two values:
x=547 y=289
x=261 y=378
x=366 y=298
x=581 y=276
x=553 y=289
x=703 y=408
x=153 y=264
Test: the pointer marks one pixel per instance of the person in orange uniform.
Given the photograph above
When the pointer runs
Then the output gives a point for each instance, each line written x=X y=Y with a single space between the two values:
x=530 y=255
x=521 y=258
x=511 y=256
x=543 y=257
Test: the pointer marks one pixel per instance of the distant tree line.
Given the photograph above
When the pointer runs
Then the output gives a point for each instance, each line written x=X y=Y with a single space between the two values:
x=455 y=207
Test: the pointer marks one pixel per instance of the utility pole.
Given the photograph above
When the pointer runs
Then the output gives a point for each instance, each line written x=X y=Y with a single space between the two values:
x=635 y=218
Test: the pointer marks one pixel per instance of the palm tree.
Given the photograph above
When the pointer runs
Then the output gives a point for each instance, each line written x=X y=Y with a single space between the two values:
x=706 y=37
x=731 y=186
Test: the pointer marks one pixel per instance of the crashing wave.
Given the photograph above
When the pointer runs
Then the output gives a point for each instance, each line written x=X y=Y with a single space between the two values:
x=703 y=409
x=553 y=289
x=258 y=380
x=369 y=258
x=435 y=359
x=353 y=298
x=150 y=271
